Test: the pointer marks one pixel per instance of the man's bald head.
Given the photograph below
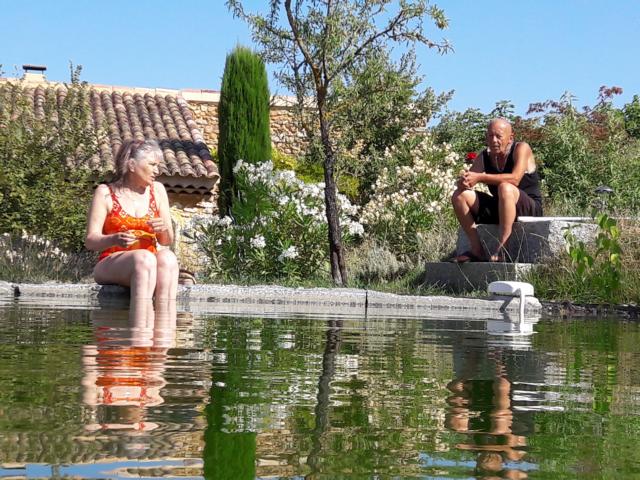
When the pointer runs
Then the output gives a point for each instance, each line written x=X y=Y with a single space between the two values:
x=501 y=122
x=499 y=135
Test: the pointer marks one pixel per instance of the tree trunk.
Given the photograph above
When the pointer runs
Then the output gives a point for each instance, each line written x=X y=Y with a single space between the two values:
x=336 y=254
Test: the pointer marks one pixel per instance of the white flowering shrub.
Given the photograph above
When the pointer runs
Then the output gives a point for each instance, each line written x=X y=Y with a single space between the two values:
x=277 y=228
x=408 y=200
x=29 y=258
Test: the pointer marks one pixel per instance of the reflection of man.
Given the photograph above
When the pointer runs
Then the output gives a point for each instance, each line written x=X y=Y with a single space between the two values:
x=490 y=429
x=509 y=170
x=124 y=370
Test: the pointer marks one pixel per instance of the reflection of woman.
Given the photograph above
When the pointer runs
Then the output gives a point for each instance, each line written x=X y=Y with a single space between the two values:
x=127 y=221
x=124 y=370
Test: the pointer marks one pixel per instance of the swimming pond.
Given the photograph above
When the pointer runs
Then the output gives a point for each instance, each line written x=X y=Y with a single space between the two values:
x=116 y=393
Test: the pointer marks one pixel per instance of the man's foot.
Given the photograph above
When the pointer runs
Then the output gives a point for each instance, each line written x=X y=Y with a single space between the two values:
x=467 y=256
x=497 y=258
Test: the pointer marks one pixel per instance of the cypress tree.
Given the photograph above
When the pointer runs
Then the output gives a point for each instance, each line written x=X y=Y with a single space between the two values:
x=243 y=118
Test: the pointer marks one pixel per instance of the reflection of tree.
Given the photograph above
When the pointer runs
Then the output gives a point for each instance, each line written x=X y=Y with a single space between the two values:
x=331 y=348
x=594 y=382
x=228 y=454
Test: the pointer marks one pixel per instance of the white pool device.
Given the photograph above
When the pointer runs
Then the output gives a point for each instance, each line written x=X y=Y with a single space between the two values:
x=512 y=289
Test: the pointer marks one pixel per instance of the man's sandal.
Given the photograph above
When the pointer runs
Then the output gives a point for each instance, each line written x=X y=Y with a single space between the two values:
x=465 y=257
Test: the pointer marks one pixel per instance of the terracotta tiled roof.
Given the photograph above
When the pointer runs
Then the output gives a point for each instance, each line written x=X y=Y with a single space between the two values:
x=141 y=114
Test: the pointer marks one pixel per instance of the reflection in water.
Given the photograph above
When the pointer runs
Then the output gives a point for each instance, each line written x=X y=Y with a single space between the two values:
x=289 y=398
x=481 y=405
x=123 y=370
x=482 y=409
x=322 y=421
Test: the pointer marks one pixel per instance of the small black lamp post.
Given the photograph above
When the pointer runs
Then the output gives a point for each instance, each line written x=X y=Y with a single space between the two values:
x=603 y=192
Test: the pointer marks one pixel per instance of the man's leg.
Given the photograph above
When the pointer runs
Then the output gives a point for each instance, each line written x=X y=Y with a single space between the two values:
x=466 y=205
x=508 y=196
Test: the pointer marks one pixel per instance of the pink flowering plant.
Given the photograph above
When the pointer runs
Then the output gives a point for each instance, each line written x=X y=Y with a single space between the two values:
x=406 y=201
x=277 y=227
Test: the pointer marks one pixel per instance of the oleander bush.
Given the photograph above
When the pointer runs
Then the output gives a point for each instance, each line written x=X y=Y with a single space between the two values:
x=408 y=202
x=276 y=229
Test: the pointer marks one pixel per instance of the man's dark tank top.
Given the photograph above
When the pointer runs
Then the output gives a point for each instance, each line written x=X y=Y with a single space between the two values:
x=529 y=183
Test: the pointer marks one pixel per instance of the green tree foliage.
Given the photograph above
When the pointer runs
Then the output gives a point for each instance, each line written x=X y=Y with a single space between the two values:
x=375 y=104
x=466 y=131
x=45 y=188
x=243 y=116
x=580 y=150
x=631 y=112
x=318 y=42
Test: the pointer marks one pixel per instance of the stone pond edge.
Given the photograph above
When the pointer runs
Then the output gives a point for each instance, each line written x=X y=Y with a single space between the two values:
x=277 y=300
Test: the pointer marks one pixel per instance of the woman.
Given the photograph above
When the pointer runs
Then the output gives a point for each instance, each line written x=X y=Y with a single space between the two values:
x=128 y=219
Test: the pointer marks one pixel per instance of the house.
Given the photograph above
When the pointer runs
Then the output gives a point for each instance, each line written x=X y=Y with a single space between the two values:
x=183 y=121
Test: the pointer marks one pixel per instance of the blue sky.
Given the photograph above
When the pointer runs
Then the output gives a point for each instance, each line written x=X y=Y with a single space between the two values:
x=523 y=51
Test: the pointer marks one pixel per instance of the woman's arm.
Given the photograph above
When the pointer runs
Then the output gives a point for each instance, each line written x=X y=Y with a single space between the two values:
x=162 y=224
x=95 y=239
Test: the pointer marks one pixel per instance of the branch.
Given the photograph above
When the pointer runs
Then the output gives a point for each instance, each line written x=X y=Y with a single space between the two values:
x=303 y=48
x=400 y=19
x=392 y=24
x=325 y=36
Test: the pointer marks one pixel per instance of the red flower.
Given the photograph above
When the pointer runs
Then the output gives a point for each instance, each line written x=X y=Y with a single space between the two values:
x=471 y=156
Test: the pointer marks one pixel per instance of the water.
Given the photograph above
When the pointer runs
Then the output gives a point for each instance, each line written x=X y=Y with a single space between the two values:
x=114 y=394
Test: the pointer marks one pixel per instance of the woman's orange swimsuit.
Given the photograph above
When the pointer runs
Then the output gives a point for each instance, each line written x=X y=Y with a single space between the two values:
x=120 y=221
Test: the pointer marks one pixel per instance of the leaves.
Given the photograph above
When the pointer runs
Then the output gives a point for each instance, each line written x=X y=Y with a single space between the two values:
x=599 y=272
x=42 y=188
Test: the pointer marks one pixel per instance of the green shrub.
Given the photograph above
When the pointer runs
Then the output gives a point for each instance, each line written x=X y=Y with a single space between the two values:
x=45 y=187
x=580 y=150
x=313 y=173
x=370 y=262
x=277 y=228
x=408 y=201
x=283 y=161
x=603 y=272
x=243 y=117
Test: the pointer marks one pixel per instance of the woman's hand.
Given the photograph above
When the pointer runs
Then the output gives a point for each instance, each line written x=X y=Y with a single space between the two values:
x=124 y=239
x=158 y=225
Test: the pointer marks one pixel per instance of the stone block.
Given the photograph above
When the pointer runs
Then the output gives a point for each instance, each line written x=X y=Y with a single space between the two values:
x=467 y=277
x=6 y=289
x=389 y=305
x=533 y=238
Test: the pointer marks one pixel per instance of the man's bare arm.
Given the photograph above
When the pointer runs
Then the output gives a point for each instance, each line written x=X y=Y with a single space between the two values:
x=522 y=157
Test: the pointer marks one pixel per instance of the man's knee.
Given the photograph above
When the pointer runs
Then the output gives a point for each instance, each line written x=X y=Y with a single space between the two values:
x=508 y=191
x=463 y=197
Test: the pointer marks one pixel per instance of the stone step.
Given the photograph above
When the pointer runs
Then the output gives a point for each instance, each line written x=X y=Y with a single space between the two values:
x=533 y=238
x=466 y=277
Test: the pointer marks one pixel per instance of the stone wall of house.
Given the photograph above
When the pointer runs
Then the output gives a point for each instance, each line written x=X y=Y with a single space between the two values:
x=286 y=134
x=206 y=117
x=187 y=211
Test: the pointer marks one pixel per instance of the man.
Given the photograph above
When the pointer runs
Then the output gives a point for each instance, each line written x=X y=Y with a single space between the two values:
x=509 y=170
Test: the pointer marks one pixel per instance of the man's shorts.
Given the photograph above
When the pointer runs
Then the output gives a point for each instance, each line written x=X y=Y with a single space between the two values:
x=488 y=211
